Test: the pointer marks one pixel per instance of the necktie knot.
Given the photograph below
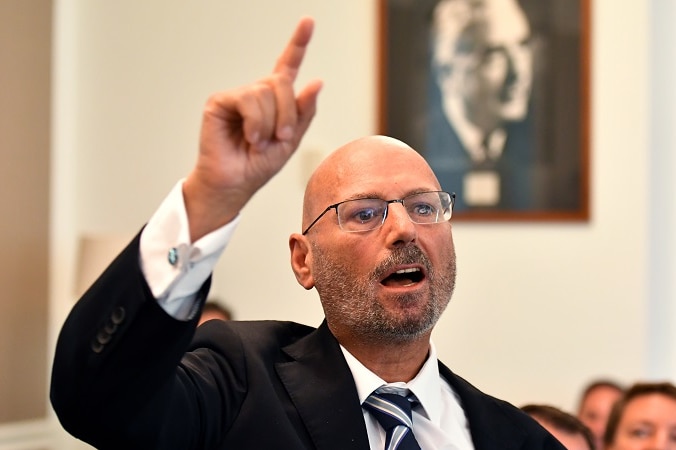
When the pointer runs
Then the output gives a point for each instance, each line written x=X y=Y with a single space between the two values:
x=392 y=409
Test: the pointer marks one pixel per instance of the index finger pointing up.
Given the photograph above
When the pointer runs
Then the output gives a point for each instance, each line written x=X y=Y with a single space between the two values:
x=289 y=61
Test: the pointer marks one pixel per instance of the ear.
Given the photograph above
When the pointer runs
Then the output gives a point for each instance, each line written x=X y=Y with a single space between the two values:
x=301 y=260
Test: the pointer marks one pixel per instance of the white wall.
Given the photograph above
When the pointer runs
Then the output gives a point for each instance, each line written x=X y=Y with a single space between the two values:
x=662 y=282
x=539 y=308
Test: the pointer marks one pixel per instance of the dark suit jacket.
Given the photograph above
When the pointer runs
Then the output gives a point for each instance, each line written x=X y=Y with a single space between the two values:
x=126 y=375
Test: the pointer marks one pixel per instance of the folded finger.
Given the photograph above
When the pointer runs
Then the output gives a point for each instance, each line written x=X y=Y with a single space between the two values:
x=257 y=111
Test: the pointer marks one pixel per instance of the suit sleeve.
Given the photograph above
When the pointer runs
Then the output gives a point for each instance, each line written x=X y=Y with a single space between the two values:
x=117 y=381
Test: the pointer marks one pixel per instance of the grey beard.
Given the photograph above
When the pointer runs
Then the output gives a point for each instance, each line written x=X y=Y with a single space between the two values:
x=352 y=302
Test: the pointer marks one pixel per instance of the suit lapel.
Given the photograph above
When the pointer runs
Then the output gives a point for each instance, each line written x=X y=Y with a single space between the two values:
x=322 y=389
x=490 y=426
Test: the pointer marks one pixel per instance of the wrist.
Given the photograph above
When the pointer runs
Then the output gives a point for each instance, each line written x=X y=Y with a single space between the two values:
x=208 y=208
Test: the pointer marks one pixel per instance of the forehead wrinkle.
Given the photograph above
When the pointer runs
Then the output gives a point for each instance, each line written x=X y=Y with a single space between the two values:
x=375 y=195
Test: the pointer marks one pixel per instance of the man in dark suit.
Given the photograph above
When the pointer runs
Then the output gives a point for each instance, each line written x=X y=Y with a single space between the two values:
x=130 y=370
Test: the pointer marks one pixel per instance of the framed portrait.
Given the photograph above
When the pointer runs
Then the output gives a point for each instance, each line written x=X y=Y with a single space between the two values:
x=495 y=95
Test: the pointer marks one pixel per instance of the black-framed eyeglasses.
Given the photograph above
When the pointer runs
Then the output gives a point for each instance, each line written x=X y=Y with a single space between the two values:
x=366 y=214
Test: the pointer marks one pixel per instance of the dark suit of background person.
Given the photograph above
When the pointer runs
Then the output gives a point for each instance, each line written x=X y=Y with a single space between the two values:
x=129 y=373
x=516 y=177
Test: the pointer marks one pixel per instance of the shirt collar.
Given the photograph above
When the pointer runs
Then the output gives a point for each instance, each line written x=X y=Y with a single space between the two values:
x=426 y=385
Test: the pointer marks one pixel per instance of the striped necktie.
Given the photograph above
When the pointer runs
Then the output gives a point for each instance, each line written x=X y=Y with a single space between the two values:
x=393 y=412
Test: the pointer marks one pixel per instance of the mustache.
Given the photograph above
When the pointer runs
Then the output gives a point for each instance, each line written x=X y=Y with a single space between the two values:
x=401 y=256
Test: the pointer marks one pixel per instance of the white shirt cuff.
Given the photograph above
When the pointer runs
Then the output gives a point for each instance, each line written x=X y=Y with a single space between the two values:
x=174 y=268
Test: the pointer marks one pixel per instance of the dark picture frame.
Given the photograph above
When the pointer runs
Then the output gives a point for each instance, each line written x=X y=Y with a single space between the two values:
x=448 y=86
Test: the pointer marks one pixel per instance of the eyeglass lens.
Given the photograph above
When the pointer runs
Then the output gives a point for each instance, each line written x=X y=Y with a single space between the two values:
x=368 y=213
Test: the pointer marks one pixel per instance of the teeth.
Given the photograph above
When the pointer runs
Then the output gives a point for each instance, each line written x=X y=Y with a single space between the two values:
x=411 y=270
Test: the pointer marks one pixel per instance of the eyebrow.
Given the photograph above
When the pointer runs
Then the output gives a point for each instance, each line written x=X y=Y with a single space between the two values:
x=361 y=195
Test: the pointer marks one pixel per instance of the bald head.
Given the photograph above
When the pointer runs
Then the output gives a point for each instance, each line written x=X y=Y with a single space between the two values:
x=358 y=168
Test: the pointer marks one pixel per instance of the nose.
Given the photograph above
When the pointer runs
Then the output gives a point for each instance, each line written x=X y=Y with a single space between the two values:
x=398 y=225
x=518 y=62
x=660 y=441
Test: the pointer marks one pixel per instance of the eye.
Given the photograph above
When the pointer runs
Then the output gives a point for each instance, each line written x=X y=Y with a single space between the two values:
x=364 y=215
x=362 y=211
x=640 y=432
x=591 y=415
x=424 y=209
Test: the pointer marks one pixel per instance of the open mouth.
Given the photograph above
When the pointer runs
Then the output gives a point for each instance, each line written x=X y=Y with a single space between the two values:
x=404 y=277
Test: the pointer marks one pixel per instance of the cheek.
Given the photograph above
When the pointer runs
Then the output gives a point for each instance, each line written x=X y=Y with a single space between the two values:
x=350 y=257
x=439 y=246
x=444 y=236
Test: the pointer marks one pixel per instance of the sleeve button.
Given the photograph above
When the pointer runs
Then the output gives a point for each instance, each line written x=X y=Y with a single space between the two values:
x=117 y=317
x=96 y=346
x=110 y=328
x=103 y=337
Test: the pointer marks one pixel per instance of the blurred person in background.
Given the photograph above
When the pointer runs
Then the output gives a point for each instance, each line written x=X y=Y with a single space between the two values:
x=594 y=406
x=565 y=427
x=214 y=309
x=644 y=418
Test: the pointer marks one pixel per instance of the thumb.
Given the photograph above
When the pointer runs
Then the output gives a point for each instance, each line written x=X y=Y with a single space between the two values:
x=306 y=102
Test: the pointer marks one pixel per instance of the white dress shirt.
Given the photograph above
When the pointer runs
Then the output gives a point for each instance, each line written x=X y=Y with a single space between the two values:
x=439 y=421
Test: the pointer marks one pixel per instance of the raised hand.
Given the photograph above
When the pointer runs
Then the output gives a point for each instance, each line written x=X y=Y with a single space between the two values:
x=247 y=136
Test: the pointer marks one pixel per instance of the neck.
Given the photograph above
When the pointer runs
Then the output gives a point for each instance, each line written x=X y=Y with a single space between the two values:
x=391 y=361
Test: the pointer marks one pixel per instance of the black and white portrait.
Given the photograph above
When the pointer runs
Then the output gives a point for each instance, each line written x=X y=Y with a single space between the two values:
x=491 y=92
